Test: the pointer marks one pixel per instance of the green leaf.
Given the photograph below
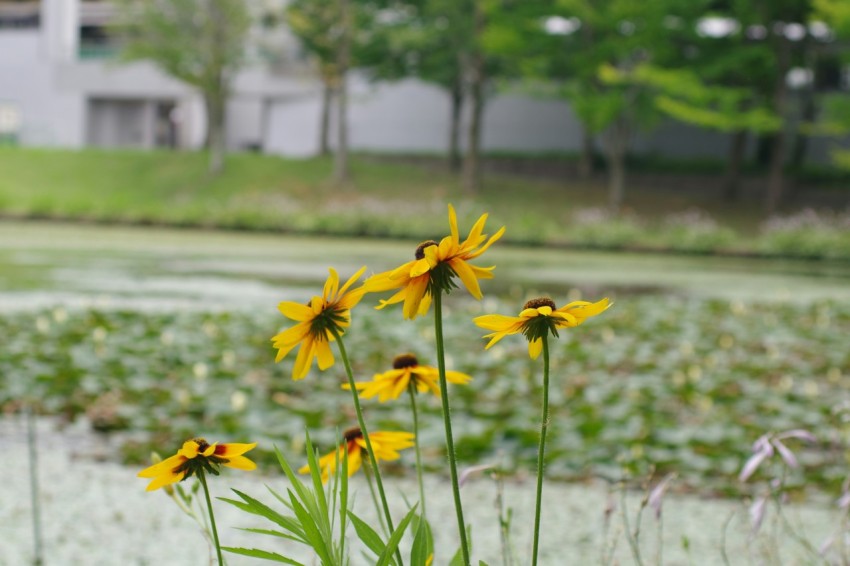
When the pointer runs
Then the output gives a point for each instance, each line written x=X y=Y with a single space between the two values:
x=367 y=534
x=316 y=476
x=251 y=505
x=423 y=542
x=254 y=553
x=273 y=533
x=311 y=530
x=387 y=557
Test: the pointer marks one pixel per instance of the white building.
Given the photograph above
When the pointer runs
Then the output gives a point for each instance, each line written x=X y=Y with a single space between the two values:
x=61 y=85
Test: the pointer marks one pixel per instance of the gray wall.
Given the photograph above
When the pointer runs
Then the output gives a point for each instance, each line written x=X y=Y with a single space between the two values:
x=50 y=114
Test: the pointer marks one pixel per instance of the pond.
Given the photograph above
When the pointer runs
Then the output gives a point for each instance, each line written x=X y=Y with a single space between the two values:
x=151 y=334
x=44 y=264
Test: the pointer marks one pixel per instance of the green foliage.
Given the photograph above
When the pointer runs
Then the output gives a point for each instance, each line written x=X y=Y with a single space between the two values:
x=680 y=94
x=196 y=41
x=314 y=517
x=684 y=384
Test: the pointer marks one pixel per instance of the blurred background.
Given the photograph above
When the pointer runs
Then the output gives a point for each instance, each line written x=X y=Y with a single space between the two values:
x=171 y=169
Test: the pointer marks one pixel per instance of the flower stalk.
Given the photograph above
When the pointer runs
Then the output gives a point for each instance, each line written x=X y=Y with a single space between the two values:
x=32 y=452
x=541 y=452
x=411 y=390
x=202 y=478
x=362 y=424
x=447 y=421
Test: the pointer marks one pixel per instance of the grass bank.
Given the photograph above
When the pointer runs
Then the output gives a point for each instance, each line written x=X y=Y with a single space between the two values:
x=258 y=192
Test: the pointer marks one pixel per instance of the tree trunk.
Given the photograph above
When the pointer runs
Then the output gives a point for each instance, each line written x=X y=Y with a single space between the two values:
x=325 y=119
x=216 y=103
x=775 y=178
x=472 y=162
x=217 y=90
x=618 y=137
x=342 y=174
x=732 y=180
x=454 y=126
x=585 y=161
x=616 y=181
x=808 y=108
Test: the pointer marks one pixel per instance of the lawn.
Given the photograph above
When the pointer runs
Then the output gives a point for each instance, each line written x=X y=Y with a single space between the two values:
x=258 y=192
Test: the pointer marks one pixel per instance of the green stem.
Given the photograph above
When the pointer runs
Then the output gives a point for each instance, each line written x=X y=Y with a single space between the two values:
x=447 y=421
x=411 y=390
x=362 y=424
x=367 y=470
x=541 y=451
x=203 y=479
x=38 y=557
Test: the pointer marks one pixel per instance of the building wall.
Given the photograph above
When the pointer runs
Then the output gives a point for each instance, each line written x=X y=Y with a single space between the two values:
x=50 y=114
x=68 y=102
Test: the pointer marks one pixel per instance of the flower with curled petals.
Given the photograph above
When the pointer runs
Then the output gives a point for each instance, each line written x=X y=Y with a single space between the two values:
x=197 y=456
x=434 y=268
x=318 y=322
x=538 y=318
x=406 y=370
x=385 y=444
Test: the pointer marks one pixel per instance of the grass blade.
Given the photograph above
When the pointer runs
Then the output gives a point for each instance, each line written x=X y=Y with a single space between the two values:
x=387 y=557
x=254 y=553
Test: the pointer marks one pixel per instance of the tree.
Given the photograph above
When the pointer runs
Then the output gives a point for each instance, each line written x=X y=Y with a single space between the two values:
x=338 y=34
x=316 y=24
x=836 y=119
x=585 y=47
x=616 y=37
x=748 y=65
x=200 y=42
x=429 y=40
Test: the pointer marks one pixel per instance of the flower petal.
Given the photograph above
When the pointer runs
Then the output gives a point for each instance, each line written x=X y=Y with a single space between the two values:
x=534 y=348
x=240 y=463
x=233 y=449
x=304 y=359
x=467 y=276
x=295 y=311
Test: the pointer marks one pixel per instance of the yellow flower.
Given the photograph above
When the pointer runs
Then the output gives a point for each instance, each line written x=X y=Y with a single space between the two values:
x=538 y=318
x=196 y=456
x=385 y=444
x=406 y=369
x=437 y=264
x=316 y=322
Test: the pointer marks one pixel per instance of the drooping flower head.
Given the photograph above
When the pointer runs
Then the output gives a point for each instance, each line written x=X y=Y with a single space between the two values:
x=385 y=444
x=435 y=267
x=406 y=369
x=538 y=318
x=317 y=321
x=197 y=455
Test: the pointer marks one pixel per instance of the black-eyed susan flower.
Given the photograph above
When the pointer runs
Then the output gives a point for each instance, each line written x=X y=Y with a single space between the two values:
x=317 y=322
x=406 y=370
x=539 y=318
x=435 y=266
x=385 y=445
x=197 y=456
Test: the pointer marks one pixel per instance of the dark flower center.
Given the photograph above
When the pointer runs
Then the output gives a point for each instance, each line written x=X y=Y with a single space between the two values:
x=420 y=249
x=352 y=434
x=540 y=302
x=405 y=361
x=201 y=463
